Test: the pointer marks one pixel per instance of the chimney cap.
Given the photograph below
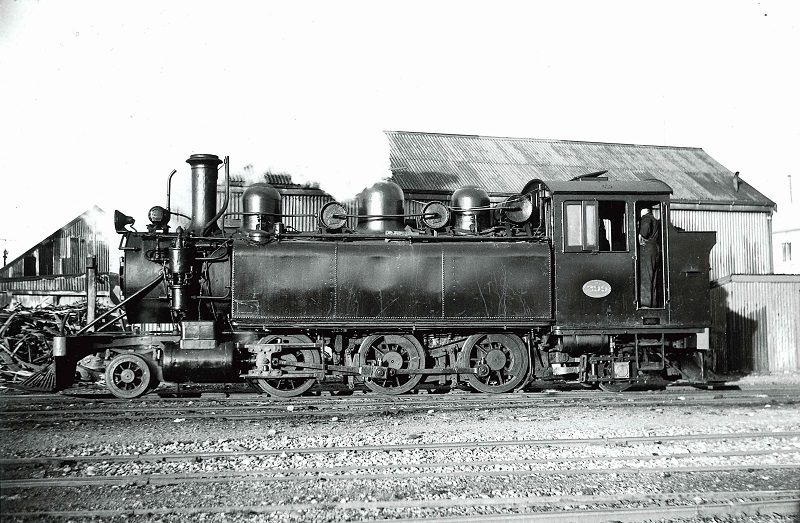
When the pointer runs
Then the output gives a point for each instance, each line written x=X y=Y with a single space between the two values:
x=196 y=159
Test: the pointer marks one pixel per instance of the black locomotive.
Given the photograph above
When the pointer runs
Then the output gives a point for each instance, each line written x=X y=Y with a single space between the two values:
x=546 y=286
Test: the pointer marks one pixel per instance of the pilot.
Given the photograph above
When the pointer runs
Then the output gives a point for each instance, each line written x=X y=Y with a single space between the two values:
x=649 y=256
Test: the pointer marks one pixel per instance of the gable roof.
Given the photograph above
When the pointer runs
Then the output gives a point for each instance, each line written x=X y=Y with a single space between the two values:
x=82 y=225
x=434 y=162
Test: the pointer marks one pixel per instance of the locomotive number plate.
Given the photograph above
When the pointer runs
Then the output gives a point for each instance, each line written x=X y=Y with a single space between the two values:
x=596 y=288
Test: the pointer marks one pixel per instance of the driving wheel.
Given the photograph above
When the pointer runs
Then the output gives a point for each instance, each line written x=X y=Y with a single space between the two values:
x=501 y=361
x=392 y=352
x=286 y=386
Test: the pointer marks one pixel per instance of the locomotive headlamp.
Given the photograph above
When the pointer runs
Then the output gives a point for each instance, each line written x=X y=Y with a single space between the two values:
x=121 y=222
x=158 y=216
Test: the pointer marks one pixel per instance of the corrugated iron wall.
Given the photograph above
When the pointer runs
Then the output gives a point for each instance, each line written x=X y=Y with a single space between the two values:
x=234 y=221
x=301 y=202
x=743 y=239
x=54 y=285
x=77 y=242
x=305 y=207
x=65 y=252
x=37 y=291
x=755 y=325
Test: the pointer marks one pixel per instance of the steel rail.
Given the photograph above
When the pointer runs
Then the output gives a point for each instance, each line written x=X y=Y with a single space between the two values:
x=257 y=413
x=617 y=440
x=773 y=500
x=786 y=507
x=247 y=476
x=412 y=398
x=336 y=469
x=422 y=401
x=232 y=396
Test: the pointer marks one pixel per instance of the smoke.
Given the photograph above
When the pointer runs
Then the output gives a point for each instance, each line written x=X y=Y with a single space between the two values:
x=101 y=223
x=338 y=161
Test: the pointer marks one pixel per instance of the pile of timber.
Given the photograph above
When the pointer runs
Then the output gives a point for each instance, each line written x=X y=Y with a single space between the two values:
x=26 y=336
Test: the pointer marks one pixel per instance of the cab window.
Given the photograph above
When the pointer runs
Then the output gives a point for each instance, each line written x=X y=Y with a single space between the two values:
x=580 y=226
x=613 y=227
x=595 y=226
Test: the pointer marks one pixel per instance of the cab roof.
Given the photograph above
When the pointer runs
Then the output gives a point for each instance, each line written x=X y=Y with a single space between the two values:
x=600 y=186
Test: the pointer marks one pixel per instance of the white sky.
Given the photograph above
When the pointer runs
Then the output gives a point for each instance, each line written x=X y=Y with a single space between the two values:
x=101 y=100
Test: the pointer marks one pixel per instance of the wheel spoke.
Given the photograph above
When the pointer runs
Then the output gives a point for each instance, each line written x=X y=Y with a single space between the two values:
x=286 y=386
x=128 y=376
x=485 y=349
x=390 y=346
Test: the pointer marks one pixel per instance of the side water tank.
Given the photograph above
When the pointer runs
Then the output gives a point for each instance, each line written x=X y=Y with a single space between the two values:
x=381 y=208
x=471 y=209
x=261 y=204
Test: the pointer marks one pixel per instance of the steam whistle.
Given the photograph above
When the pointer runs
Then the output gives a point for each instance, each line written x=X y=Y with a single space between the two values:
x=180 y=273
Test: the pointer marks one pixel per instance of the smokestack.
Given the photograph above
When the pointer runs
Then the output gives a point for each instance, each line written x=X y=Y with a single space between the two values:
x=736 y=181
x=204 y=192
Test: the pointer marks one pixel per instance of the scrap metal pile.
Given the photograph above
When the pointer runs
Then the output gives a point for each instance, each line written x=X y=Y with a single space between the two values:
x=26 y=335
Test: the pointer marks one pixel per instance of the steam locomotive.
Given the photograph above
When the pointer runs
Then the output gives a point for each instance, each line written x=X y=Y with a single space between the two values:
x=496 y=297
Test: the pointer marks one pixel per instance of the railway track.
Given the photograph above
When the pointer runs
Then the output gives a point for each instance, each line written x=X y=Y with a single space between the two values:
x=234 y=395
x=558 y=442
x=717 y=473
x=620 y=506
x=452 y=470
x=326 y=406
x=569 y=507
x=539 y=508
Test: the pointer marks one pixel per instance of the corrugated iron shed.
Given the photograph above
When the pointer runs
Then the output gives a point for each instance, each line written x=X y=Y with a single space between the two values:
x=755 y=325
x=433 y=162
x=56 y=266
x=300 y=203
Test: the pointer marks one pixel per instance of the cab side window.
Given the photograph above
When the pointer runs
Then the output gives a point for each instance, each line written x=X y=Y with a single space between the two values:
x=580 y=226
x=591 y=226
x=613 y=226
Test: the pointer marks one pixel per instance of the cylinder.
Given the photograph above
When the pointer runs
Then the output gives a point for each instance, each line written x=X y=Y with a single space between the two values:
x=199 y=365
x=381 y=208
x=576 y=344
x=470 y=206
x=204 y=192
x=261 y=204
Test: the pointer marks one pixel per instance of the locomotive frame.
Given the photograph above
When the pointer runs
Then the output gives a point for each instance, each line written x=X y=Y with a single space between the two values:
x=543 y=287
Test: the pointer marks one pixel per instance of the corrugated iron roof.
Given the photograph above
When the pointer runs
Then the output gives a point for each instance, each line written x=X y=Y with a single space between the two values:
x=445 y=162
